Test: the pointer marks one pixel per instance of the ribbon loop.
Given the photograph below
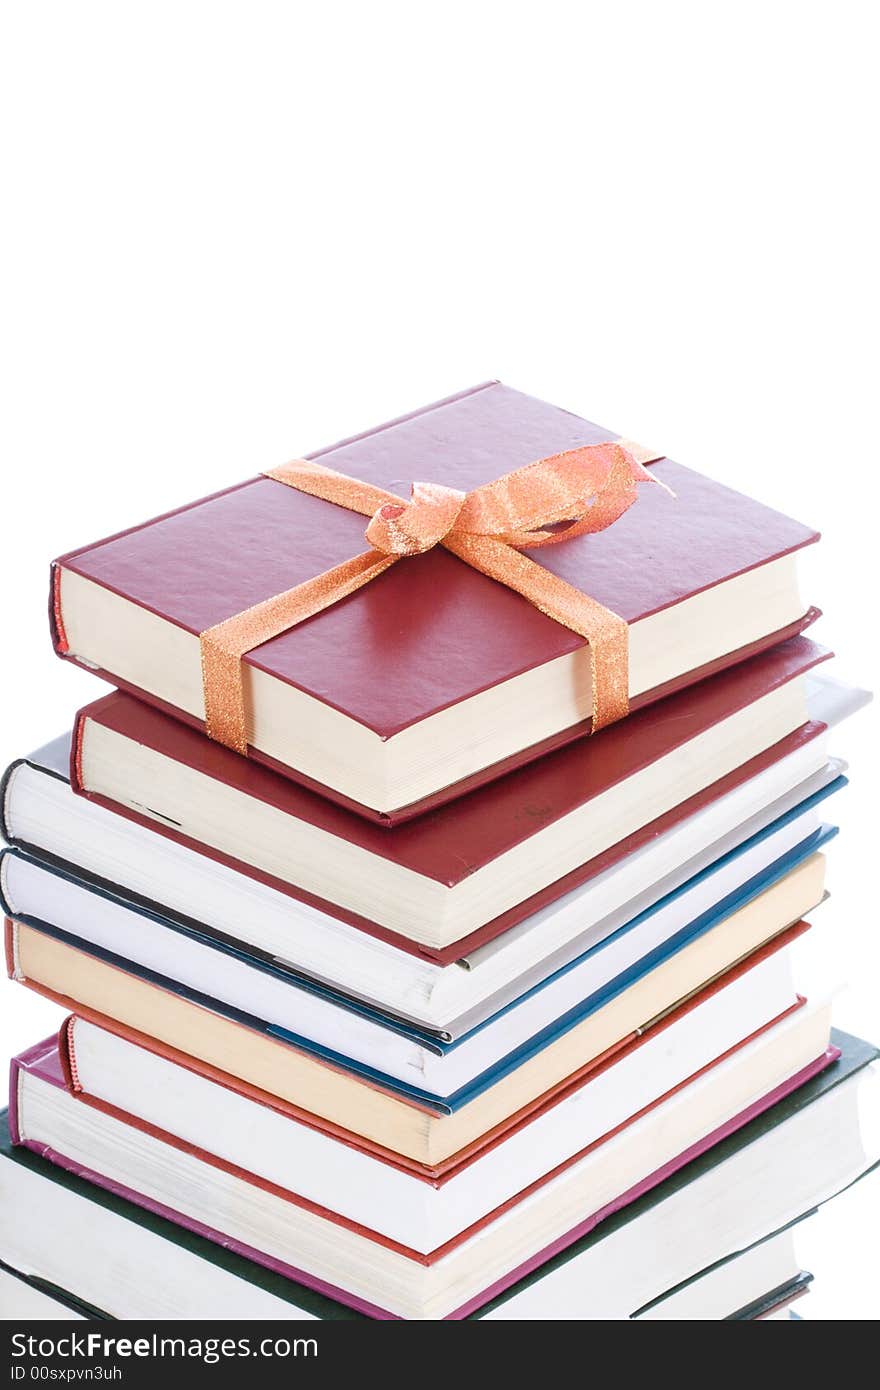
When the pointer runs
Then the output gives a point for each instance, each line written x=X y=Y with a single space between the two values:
x=554 y=489
x=418 y=525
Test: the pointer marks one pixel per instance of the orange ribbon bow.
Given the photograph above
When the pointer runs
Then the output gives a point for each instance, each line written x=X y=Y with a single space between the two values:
x=589 y=488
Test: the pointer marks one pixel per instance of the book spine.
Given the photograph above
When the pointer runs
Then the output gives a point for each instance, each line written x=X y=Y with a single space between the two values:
x=14 y=1126
x=6 y=799
x=56 y=622
x=12 y=969
x=76 y=752
x=67 y=1056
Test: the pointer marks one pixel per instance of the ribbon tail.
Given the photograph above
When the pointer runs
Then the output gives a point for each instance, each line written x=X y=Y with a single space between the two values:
x=224 y=645
x=614 y=497
x=605 y=631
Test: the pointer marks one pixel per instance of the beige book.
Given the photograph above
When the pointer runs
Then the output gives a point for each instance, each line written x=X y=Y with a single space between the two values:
x=84 y=983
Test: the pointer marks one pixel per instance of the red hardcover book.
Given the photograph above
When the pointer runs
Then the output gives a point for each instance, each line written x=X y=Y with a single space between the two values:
x=458 y=877
x=433 y=678
x=191 y=1185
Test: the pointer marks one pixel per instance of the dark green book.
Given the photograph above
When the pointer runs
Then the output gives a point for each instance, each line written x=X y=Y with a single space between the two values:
x=109 y=1254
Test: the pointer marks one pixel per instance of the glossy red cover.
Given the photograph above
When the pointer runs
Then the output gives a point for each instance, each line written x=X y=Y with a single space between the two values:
x=431 y=631
x=451 y=843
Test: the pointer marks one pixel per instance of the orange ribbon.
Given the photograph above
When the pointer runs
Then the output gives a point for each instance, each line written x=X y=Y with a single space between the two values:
x=589 y=488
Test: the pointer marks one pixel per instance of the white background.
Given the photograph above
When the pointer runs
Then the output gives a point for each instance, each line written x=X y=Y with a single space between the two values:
x=232 y=233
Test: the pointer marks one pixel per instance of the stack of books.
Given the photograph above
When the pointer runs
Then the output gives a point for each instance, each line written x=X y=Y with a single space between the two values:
x=432 y=1002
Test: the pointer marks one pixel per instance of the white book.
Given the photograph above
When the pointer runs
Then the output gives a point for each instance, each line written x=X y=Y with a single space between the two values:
x=41 y=812
x=38 y=891
x=716 y=1294
x=21 y=1301
x=414 y=1208
x=729 y=1287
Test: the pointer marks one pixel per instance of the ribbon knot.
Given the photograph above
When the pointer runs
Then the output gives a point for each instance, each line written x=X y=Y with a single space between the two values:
x=413 y=527
x=570 y=494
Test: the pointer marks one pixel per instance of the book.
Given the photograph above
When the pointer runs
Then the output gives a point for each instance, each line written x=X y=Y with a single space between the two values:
x=472 y=677
x=784 y=1169
x=396 y=1115
x=707 y=1296
x=375 y=1274
x=188 y=892
x=316 y=1017
x=450 y=882
x=767 y=1275
x=423 y=1208
x=23 y=1299
x=143 y=1265
x=775 y=1304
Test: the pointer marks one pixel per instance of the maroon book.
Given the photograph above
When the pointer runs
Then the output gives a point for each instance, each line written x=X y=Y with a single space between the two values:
x=526 y=815
x=433 y=678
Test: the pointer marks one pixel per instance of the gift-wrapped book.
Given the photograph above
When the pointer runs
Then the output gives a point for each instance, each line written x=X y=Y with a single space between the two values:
x=392 y=685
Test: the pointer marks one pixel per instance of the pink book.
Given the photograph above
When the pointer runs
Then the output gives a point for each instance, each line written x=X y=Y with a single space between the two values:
x=41 y=1066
